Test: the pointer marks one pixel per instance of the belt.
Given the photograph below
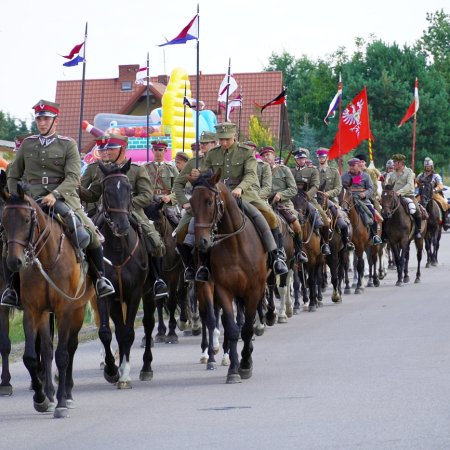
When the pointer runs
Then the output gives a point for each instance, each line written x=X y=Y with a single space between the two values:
x=47 y=180
x=161 y=191
x=231 y=181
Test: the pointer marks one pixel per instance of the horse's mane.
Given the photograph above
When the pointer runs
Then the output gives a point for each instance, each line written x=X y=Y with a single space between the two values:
x=204 y=179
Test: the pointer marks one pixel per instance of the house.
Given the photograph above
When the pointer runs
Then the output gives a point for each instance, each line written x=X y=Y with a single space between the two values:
x=7 y=150
x=122 y=95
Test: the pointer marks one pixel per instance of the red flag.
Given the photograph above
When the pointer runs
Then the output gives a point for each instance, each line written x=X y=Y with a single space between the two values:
x=278 y=100
x=413 y=107
x=354 y=126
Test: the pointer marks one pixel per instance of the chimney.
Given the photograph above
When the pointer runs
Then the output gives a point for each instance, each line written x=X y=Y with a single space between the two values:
x=163 y=79
x=128 y=72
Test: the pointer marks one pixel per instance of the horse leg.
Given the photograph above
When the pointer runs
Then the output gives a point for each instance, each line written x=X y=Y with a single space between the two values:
x=419 y=247
x=271 y=315
x=5 y=350
x=335 y=268
x=288 y=302
x=360 y=274
x=312 y=286
x=216 y=332
x=246 y=364
x=296 y=286
x=196 y=322
x=44 y=351
x=172 y=337
x=282 y=289
x=406 y=264
x=259 y=326
x=161 y=333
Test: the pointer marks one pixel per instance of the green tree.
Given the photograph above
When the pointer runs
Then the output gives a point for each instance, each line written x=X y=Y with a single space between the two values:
x=10 y=127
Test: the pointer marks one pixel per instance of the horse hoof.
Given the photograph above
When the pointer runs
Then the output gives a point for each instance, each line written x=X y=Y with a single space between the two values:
x=112 y=379
x=336 y=299
x=61 y=413
x=70 y=403
x=270 y=321
x=347 y=291
x=320 y=303
x=233 y=378
x=376 y=283
x=160 y=338
x=370 y=284
x=358 y=291
x=296 y=311
x=399 y=284
x=6 y=390
x=259 y=330
x=43 y=406
x=427 y=265
x=51 y=407
x=417 y=280
x=312 y=308
x=171 y=339
x=146 y=376
x=124 y=385
x=203 y=360
x=406 y=279
x=211 y=366
x=434 y=264
x=225 y=361
x=196 y=331
x=182 y=325
x=305 y=306
x=282 y=318
x=245 y=373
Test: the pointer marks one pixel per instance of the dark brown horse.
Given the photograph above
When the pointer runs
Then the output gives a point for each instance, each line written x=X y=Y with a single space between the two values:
x=434 y=221
x=238 y=263
x=399 y=230
x=362 y=240
x=37 y=249
x=128 y=270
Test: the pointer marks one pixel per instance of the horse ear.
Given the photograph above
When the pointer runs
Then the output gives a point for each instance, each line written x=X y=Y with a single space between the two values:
x=20 y=191
x=3 y=194
x=103 y=168
x=126 y=167
x=216 y=176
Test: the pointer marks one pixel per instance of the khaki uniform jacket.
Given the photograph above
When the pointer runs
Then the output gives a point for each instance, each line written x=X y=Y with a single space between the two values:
x=284 y=184
x=88 y=177
x=331 y=183
x=310 y=175
x=238 y=168
x=403 y=182
x=181 y=182
x=40 y=166
x=162 y=176
x=264 y=174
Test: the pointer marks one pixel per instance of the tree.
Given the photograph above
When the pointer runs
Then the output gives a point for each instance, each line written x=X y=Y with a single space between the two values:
x=10 y=127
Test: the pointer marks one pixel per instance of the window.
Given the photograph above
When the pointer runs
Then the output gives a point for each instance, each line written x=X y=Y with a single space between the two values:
x=127 y=86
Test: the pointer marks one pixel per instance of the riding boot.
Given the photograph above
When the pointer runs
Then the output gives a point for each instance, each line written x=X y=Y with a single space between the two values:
x=446 y=221
x=300 y=255
x=279 y=265
x=376 y=240
x=348 y=245
x=325 y=235
x=418 y=222
x=103 y=286
x=159 y=286
x=10 y=297
x=188 y=261
x=203 y=275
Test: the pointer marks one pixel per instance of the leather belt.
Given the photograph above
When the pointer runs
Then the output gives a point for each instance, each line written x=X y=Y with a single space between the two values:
x=47 y=180
x=161 y=191
x=231 y=181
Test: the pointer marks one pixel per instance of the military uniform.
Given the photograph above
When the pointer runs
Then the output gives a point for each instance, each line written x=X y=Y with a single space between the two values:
x=264 y=175
x=88 y=177
x=436 y=179
x=162 y=176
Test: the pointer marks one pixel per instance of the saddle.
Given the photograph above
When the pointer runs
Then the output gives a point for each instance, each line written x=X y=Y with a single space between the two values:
x=364 y=211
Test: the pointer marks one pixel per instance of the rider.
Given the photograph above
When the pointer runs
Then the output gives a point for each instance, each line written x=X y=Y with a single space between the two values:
x=433 y=177
x=283 y=189
x=374 y=174
x=331 y=186
x=181 y=186
x=50 y=164
x=263 y=172
x=238 y=172
x=389 y=169
x=360 y=185
x=309 y=176
x=402 y=180
x=142 y=196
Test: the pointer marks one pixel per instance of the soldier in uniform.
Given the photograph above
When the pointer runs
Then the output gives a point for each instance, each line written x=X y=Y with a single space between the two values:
x=283 y=189
x=238 y=172
x=360 y=185
x=402 y=179
x=374 y=174
x=162 y=175
x=389 y=169
x=433 y=177
x=182 y=190
x=330 y=184
x=50 y=164
x=309 y=177
x=263 y=173
x=181 y=158
x=141 y=188
x=91 y=172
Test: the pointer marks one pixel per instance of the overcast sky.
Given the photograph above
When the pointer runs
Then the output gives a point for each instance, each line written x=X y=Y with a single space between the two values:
x=33 y=33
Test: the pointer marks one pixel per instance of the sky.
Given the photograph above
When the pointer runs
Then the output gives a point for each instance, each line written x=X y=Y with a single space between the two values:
x=34 y=34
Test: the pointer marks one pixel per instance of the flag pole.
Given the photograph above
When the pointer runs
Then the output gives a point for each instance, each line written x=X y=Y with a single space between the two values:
x=197 y=109
x=339 y=132
x=413 y=153
x=184 y=115
x=240 y=116
x=228 y=89
x=148 y=107
x=80 y=128
x=283 y=112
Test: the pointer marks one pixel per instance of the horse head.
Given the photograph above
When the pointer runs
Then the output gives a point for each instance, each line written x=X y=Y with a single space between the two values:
x=389 y=201
x=426 y=188
x=207 y=203
x=116 y=197
x=19 y=220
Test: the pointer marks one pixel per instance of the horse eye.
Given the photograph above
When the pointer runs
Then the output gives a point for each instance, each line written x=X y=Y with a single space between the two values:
x=27 y=220
x=210 y=202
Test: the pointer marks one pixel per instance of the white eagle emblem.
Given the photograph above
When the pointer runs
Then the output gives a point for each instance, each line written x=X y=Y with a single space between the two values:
x=352 y=116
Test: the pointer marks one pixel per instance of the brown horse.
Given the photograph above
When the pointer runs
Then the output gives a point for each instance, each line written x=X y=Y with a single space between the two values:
x=362 y=241
x=399 y=230
x=312 y=270
x=238 y=263
x=38 y=251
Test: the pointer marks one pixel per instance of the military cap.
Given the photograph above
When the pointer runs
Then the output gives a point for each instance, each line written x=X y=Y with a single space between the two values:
x=102 y=142
x=279 y=161
x=159 y=145
x=398 y=157
x=182 y=156
x=353 y=161
x=46 y=108
x=389 y=163
x=300 y=153
x=361 y=158
x=116 y=141
x=225 y=130
x=207 y=136
x=428 y=162
x=322 y=151
x=264 y=150
x=302 y=149
x=250 y=144
x=194 y=146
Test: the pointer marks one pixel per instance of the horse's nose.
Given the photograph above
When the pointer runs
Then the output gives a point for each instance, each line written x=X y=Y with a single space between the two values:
x=203 y=244
x=14 y=264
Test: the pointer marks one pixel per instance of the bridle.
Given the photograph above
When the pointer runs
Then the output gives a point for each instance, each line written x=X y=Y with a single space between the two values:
x=392 y=209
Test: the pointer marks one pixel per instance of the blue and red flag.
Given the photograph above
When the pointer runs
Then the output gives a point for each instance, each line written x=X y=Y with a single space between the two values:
x=189 y=32
x=78 y=50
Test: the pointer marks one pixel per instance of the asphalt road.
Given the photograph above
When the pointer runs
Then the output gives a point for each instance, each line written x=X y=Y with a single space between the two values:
x=370 y=373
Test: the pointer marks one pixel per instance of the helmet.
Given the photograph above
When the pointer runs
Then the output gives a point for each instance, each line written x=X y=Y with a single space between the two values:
x=389 y=164
x=428 y=162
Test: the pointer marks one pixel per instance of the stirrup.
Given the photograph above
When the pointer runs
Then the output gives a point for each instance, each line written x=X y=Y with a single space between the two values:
x=10 y=298
x=189 y=274
x=106 y=289
x=350 y=245
x=376 y=240
x=301 y=257
x=202 y=274
x=325 y=250
x=280 y=267
x=160 y=288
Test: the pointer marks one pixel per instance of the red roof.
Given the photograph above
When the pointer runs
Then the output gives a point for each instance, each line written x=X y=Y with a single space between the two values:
x=107 y=96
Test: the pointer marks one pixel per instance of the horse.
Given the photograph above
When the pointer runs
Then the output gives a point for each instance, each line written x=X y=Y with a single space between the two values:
x=5 y=350
x=434 y=221
x=313 y=268
x=38 y=251
x=362 y=241
x=399 y=230
x=173 y=275
x=238 y=267
x=128 y=269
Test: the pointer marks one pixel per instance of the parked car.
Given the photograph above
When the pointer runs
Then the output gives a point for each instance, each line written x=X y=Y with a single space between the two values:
x=446 y=192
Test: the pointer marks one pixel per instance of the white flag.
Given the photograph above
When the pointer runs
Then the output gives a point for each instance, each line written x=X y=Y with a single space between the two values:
x=230 y=84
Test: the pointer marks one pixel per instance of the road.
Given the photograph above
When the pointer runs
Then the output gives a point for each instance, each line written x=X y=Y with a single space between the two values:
x=370 y=373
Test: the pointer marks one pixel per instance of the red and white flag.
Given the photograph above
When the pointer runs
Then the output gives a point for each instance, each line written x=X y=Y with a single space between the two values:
x=354 y=126
x=227 y=87
x=413 y=107
x=141 y=75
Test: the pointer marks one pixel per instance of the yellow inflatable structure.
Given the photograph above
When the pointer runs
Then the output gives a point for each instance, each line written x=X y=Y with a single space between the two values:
x=173 y=112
